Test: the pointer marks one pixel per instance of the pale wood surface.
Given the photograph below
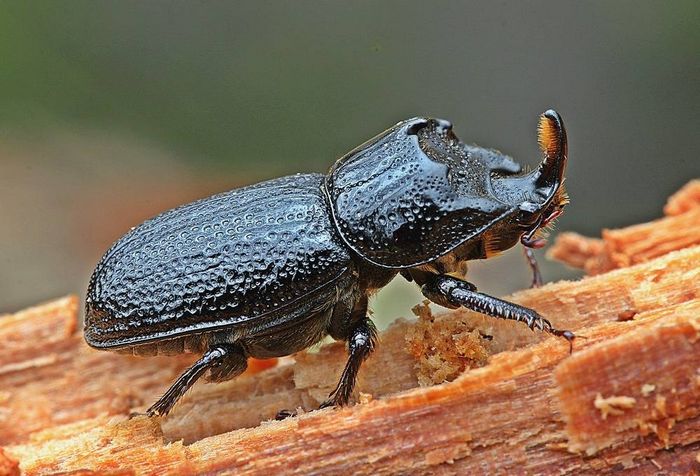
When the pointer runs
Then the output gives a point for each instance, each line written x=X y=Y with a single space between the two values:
x=628 y=397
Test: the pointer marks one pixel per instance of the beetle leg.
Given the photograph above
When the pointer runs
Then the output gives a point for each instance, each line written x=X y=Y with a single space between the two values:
x=363 y=338
x=532 y=261
x=443 y=289
x=284 y=414
x=231 y=365
x=225 y=356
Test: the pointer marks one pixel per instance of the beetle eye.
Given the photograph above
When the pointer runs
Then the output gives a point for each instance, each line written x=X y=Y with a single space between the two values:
x=530 y=215
x=527 y=220
x=529 y=211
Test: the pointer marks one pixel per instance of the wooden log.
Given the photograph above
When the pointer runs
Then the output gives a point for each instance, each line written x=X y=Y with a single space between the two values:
x=499 y=418
x=517 y=404
x=49 y=376
x=134 y=382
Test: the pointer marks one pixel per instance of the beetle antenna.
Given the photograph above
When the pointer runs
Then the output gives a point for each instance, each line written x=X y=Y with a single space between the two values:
x=551 y=136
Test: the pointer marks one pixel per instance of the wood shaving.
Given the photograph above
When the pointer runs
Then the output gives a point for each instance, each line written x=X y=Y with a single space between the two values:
x=684 y=199
x=648 y=389
x=443 y=349
x=364 y=398
x=615 y=405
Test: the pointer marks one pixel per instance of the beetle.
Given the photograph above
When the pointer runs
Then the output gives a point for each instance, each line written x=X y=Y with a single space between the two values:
x=270 y=269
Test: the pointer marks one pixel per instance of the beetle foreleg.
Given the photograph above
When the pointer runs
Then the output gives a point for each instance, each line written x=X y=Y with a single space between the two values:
x=532 y=261
x=443 y=289
x=363 y=338
x=226 y=357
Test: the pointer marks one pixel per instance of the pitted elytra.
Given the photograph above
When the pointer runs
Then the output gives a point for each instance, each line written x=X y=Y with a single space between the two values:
x=270 y=269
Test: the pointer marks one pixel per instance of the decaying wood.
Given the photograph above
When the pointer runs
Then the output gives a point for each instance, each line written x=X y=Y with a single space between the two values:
x=48 y=376
x=684 y=200
x=628 y=397
x=644 y=402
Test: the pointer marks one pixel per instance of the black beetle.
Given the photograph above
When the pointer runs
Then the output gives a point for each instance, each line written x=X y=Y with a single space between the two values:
x=270 y=269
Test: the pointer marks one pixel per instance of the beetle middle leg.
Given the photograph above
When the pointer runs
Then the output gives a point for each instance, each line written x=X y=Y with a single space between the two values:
x=532 y=261
x=362 y=339
x=225 y=361
x=529 y=241
x=452 y=292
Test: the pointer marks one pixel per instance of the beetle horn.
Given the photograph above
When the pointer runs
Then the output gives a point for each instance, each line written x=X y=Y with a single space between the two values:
x=551 y=136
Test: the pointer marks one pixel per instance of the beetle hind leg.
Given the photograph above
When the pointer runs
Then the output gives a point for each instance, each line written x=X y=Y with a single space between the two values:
x=223 y=360
x=232 y=365
x=361 y=343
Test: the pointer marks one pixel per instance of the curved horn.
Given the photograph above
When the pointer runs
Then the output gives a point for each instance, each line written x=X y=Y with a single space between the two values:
x=551 y=136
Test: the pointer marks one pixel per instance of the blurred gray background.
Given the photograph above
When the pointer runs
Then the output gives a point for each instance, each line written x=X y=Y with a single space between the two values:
x=111 y=112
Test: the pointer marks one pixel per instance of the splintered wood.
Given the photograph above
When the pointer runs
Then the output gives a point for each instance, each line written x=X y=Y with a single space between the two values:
x=628 y=398
x=628 y=402
x=635 y=244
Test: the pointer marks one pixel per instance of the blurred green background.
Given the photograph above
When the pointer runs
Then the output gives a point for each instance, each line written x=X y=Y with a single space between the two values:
x=113 y=111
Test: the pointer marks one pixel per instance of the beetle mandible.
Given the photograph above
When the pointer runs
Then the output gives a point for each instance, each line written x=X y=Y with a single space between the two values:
x=270 y=269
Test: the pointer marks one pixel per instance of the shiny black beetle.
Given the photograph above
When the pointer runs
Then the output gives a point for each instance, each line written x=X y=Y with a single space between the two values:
x=270 y=269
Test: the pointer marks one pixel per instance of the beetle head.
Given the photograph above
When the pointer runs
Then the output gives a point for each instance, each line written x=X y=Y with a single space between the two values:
x=540 y=195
